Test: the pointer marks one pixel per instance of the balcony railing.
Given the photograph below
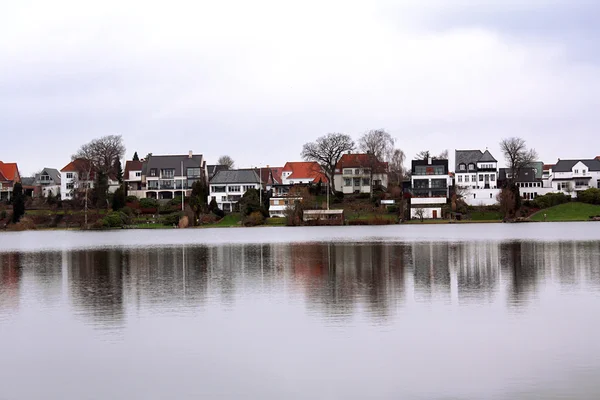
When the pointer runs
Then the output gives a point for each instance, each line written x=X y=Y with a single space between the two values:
x=427 y=188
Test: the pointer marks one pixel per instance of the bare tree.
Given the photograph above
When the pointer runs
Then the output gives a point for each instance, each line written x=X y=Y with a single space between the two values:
x=379 y=145
x=442 y=156
x=420 y=213
x=227 y=161
x=507 y=201
x=517 y=157
x=102 y=153
x=327 y=151
x=425 y=154
x=397 y=165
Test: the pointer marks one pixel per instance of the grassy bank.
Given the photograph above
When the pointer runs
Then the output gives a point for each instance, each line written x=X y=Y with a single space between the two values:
x=574 y=211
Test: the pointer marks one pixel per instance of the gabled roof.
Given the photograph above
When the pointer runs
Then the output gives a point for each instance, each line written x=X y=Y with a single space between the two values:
x=53 y=173
x=567 y=165
x=304 y=170
x=276 y=175
x=361 y=160
x=487 y=157
x=174 y=162
x=270 y=175
x=235 y=176
x=132 y=166
x=466 y=157
x=213 y=169
x=10 y=171
x=79 y=164
x=28 y=181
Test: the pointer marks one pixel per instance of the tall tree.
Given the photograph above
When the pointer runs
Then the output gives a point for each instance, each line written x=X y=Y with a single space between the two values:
x=119 y=199
x=199 y=198
x=397 y=165
x=378 y=142
x=18 y=202
x=517 y=157
x=136 y=157
x=100 y=191
x=227 y=161
x=118 y=170
x=103 y=153
x=425 y=154
x=327 y=151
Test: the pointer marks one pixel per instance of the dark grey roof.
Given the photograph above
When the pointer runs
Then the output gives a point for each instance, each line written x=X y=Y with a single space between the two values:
x=567 y=165
x=27 y=181
x=53 y=173
x=236 y=176
x=213 y=169
x=466 y=157
x=487 y=157
x=525 y=175
x=161 y=162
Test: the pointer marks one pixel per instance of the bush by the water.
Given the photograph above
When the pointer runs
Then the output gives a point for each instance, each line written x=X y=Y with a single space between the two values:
x=131 y=199
x=338 y=197
x=254 y=219
x=148 y=203
x=218 y=212
x=590 y=196
x=171 y=219
x=550 y=200
x=115 y=219
x=393 y=209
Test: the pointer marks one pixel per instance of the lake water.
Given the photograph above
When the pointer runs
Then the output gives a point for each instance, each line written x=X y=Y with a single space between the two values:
x=498 y=311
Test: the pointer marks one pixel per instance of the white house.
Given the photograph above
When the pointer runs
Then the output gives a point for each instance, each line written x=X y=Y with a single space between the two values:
x=133 y=175
x=228 y=186
x=572 y=176
x=75 y=176
x=48 y=182
x=429 y=188
x=353 y=173
x=279 y=205
x=302 y=173
x=476 y=176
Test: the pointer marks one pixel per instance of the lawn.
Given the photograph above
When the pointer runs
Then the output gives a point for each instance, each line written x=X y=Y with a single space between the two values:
x=227 y=221
x=573 y=211
x=350 y=216
x=275 y=221
x=485 y=215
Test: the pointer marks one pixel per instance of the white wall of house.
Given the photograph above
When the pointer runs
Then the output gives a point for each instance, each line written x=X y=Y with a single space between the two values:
x=352 y=180
x=426 y=201
x=477 y=180
x=134 y=176
x=227 y=195
x=481 y=197
x=530 y=193
x=285 y=180
x=54 y=189
x=428 y=212
x=578 y=179
x=279 y=205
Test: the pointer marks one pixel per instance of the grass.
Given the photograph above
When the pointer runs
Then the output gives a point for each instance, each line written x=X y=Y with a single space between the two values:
x=275 y=222
x=486 y=215
x=352 y=216
x=228 y=221
x=574 y=211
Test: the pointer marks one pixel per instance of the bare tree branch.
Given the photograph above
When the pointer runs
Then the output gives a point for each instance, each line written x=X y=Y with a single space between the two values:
x=227 y=161
x=327 y=151
x=517 y=156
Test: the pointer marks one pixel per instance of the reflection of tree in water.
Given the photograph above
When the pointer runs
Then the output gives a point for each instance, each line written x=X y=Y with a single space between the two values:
x=96 y=284
x=45 y=270
x=340 y=277
x=10 y=280
x=520 y=261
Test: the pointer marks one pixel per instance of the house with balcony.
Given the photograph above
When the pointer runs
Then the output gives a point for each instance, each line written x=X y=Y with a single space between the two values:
x=572 y=176
x=295 y=173
x=47 y=182
x=476 y=176
x=360 y=173
x=169 y=176
x=9 y=175
x=228 y=186
x=429 y=188
x=278 y=206
x=133 y=175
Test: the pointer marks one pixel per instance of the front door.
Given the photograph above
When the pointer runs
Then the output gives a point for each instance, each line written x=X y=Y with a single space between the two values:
x=434 y=214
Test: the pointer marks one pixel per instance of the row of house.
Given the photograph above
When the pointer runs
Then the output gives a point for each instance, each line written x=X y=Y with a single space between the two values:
x=478 y=180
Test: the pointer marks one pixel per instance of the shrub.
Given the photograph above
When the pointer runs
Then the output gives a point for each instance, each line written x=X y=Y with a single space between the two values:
x=166 y=209
x=127 y=211
x=339 y=196
x=131 y=199
x=171 y=219
x=254 y=219
x=590 y=196
x=218 y=212
x=3 y=214
x=363 y=196
x=115 y=219
x=393 y=209
x=176 y=201
x=148 y=203
x=550 y=200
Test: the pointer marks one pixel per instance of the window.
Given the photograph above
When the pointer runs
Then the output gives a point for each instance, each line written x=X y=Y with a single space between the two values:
x=347 y=172
x=466 y=178
x=429 y=170
x=580 y=183
x=167 y=172
x=366 y=181
x=70 y=186
x=153 y=172
x=248 y=187
x=480 y=178
x=356 y=181
x=490 y=195
x=583 y=171
x=460 y=178
x=218 y=189
x=462 y=167
x=347 y=182
x=474 y=195
x=473 y=178
x=69 y=175
x=223 y=198
x=138 y=174
x=471 y=167
x=576 y=171
x=193 y=172
x=367 y=171
x=233 y=188
x=492 y=177
x=357 y=171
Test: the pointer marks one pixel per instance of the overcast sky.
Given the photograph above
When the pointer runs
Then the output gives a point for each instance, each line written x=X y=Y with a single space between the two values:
x=257 y=79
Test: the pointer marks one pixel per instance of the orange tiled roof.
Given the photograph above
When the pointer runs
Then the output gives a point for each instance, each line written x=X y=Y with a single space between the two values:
x=547 y=167
x=303 y=170
x=361 y=160
x=9 y=172
x=132 y=166
x=76 y=165
x=598 y=158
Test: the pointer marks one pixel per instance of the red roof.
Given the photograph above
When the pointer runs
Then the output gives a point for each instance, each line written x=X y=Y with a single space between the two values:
x=361 y=161
x=598 y=158
x=9 y=172
x=548 y=167
x=132 y=166
x=305 y=170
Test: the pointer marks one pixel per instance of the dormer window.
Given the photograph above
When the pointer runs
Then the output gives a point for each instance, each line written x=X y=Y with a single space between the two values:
x=471 y=167
x=462 y=167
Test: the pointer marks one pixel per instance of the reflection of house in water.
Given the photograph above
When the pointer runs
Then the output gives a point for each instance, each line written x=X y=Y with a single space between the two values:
x=10 y=280
x=477 y=266
x=43 y=270
x=431 y=269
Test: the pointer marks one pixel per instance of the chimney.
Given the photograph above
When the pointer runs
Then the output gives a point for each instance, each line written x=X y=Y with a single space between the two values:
x=191 y=153
x=429 y=160
x=349 y=152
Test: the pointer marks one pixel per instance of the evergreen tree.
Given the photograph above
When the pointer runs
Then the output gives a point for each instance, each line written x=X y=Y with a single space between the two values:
x=118 y=170
x=18 y=201
x=135 y=157
x=199 y=197
x=100 y=192
x=118 y=200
